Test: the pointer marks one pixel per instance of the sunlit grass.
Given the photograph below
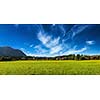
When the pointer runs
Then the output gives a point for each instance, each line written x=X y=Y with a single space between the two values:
x=88 y=67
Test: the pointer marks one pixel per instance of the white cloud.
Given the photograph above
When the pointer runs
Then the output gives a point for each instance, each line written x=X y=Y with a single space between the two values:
x=53 y=44
x=31 y=46
x=56 y=49
x=24 y=50
x=90 y=42
x=43 y=38
x=47 y=40
x=62 y=29
x=76 y=29
x=38 y=55
x=53 y=24
x=73 y=51
x=40 y=50
x=56 y=46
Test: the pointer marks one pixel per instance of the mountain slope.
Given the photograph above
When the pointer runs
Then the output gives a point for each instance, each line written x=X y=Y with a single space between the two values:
x=8 y=51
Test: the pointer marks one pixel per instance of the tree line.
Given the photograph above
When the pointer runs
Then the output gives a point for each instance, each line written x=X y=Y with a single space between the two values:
x=64 y=57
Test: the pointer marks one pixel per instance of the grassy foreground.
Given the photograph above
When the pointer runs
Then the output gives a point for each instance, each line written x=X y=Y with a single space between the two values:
x=91 y=67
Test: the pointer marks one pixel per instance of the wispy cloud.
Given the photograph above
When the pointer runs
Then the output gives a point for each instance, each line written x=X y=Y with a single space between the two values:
x=31 y=46
x=73 y=51
x=90 y=42
x=57 y=45
x=22 y=49
x=37 y=55
x=56 y=49
x=53 y=24
x=43 y=38
x=53 y=44
x=25 y=51
x=40 y=49
x=47 y=40
x=76 y=29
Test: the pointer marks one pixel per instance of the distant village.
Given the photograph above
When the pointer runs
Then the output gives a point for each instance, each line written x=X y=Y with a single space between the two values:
x=64 y=57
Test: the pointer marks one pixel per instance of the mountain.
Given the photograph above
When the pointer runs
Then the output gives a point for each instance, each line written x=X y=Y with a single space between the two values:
x=8 y=51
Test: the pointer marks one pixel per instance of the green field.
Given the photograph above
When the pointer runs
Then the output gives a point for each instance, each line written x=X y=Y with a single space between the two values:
x=50 y=67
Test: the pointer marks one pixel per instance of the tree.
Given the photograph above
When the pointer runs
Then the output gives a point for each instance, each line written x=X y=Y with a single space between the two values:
x=78 y=57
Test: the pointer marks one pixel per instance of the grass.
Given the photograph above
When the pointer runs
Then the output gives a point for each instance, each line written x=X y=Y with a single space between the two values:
x=91 y=67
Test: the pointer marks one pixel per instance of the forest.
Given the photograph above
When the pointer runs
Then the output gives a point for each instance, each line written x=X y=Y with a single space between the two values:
x=64 y=57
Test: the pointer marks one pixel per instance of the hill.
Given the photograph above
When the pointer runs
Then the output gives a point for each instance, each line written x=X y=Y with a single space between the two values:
x=8 y=51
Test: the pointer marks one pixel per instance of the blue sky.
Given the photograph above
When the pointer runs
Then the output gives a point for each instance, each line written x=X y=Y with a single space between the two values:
x=51 y=39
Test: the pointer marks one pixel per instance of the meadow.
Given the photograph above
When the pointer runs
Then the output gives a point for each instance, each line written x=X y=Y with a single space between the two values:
x=87 y=67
